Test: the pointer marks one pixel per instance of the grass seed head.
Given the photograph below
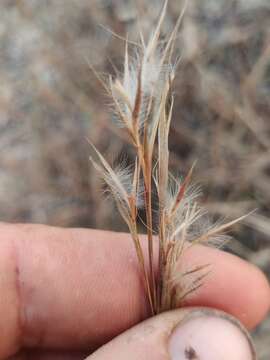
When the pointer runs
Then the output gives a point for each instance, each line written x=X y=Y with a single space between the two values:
x=143 y=104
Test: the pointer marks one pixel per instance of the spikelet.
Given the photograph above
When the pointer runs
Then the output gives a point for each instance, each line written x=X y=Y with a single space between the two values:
x=143 y=105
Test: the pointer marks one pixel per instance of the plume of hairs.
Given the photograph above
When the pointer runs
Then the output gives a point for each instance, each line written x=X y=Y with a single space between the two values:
x=143 y=104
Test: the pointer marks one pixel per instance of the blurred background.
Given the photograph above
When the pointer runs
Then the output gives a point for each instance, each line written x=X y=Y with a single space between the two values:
x=50 y=102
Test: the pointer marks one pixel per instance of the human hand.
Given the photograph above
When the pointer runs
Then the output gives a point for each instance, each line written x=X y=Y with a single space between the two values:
x=67 y=292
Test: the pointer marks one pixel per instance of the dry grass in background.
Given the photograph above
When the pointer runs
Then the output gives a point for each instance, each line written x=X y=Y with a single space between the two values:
x=49 y=103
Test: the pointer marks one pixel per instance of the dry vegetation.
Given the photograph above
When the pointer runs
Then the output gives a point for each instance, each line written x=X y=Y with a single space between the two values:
x=49 y=103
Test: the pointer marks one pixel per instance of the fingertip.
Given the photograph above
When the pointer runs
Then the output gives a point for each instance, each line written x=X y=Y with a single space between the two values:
x=259 y=297
x=186 y=334
x=208 y=334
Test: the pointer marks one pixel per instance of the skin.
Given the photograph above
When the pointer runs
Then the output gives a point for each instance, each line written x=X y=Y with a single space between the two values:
x=66 y=292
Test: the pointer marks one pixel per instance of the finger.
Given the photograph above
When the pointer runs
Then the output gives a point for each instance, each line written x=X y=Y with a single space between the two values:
x=80 y=288
x=182 y=335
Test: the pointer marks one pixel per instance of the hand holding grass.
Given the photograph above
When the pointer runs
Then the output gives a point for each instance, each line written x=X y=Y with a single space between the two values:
x=66 y=292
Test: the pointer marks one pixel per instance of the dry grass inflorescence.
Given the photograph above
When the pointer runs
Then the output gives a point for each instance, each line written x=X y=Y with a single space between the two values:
x=50 y=103
x=142 y=103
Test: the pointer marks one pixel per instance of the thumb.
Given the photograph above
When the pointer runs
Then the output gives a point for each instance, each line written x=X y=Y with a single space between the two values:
x=186 y=334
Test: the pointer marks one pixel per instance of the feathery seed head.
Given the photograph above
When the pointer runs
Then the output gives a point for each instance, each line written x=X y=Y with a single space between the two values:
x=143 y=104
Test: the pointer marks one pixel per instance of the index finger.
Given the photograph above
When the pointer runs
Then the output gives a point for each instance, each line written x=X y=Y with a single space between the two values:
x=78 y=288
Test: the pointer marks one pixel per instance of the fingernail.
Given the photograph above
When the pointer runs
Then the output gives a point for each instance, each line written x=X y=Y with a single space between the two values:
x=210 y=335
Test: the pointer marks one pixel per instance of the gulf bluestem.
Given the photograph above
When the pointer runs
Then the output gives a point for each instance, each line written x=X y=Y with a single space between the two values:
x=143 y=105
